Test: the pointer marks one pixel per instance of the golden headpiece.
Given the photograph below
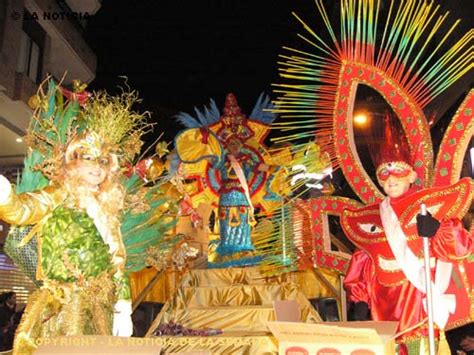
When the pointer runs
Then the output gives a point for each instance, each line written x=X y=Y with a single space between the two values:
x=96 y=124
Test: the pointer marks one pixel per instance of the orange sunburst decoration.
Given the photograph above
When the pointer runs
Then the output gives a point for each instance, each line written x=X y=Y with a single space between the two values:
x=395 y=53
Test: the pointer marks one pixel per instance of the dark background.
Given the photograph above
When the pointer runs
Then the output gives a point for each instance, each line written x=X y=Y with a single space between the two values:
x=180 y=53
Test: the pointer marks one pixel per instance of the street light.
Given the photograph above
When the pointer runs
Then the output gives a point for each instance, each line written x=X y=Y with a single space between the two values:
x=361 y=119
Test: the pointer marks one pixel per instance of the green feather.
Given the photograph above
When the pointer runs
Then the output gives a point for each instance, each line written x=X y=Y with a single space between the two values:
x=32 y=180
x=143 y=230
x=65 y=120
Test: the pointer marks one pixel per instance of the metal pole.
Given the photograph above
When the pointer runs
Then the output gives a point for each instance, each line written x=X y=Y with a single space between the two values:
x=343 y=299
x=429 y=295
x=146 y=290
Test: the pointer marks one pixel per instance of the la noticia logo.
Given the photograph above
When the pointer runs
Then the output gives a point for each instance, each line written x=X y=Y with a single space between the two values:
x=56 y=15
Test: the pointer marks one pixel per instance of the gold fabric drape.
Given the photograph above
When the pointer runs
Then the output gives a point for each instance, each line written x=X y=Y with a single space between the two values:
x=245 y=308
x=237 y=301
x=308 y=283
x=163 y=289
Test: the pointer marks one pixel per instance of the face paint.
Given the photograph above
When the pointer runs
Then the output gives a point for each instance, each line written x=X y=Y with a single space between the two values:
x=91 y=150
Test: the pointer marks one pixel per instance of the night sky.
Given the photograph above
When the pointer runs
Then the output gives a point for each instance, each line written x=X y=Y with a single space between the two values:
x=180 y=53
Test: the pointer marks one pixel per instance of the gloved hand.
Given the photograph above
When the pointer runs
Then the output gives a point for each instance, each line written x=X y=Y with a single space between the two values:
x=426 y=225
x=5 y=189
x=123 y=325
x=361 y=311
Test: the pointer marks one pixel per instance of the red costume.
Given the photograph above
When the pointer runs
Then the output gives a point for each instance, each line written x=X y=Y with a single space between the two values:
x=376 y=278
x=387 y=271
x=323 y=81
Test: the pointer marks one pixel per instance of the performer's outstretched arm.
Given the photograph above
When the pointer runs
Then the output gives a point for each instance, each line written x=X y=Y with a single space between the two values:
x=27 y=208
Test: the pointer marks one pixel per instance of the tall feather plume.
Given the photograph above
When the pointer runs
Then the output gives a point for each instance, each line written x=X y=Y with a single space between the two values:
x=207 y=117
x=406 y=50
x=262 y=110
x=400 y=42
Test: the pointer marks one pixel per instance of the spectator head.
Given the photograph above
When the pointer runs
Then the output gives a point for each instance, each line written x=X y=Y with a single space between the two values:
x=8 y=298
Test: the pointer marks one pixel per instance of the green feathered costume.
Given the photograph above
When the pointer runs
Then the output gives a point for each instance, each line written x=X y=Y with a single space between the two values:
x=66 y=239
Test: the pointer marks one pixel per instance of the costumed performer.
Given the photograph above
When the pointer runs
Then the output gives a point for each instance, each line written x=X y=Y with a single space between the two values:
x=80 y=146
x=386 y=274
x=318 y=96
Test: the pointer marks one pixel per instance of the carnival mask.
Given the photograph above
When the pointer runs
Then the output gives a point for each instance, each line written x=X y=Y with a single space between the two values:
x=398 y=169
x=90 y=150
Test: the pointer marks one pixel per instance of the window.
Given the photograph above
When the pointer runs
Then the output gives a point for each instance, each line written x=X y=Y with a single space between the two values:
x=29 y=60
x=31 y=49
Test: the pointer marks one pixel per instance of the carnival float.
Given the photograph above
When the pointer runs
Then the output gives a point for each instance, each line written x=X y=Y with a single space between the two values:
x=239 y=211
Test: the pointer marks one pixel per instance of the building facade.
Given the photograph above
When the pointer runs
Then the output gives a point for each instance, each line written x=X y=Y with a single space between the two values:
x=37 y=38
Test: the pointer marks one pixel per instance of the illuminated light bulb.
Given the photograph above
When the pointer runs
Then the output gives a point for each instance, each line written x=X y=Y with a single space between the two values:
x=361 y=119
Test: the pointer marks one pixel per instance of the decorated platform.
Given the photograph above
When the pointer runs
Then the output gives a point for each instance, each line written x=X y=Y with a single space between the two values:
x=235 y=224
x=231 y=307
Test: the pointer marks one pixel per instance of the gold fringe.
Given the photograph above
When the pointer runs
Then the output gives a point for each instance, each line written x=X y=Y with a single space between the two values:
x=66 y=309
x=42 y=305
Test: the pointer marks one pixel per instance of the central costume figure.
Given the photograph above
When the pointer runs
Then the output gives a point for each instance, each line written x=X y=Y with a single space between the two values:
x=225 y=155
x=241 y=175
